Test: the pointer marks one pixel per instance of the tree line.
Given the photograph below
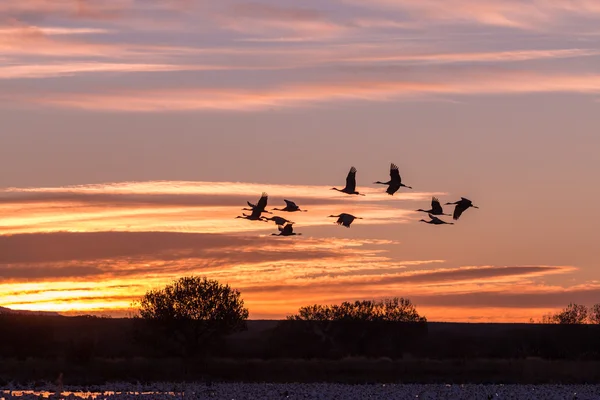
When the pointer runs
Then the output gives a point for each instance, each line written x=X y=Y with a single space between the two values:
x=573 y=314
x=193 y=313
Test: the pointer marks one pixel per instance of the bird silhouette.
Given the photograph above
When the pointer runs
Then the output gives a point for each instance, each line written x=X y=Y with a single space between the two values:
x=278 y=220
x=436 y=208
x=261 y=204
x=290 y=206
x=395 y=181
x=436 y=221
x=287 y=230
x=344 y=219
x=461 y=206
x=254 y=216
x=350 y=183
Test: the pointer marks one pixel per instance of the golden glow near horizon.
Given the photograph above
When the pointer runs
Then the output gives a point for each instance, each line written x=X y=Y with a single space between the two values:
x=185 y=108
x=105 y=272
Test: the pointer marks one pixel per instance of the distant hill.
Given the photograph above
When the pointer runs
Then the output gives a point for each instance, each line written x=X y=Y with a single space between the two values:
x=4 y=310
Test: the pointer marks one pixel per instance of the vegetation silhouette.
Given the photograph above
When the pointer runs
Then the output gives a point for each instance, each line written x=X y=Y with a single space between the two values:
x=365 y=327
x=190 y=314
x=396 y=309
x=573 y=314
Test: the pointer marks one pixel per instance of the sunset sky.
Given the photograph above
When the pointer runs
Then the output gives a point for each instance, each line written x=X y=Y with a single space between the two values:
x=134 y=131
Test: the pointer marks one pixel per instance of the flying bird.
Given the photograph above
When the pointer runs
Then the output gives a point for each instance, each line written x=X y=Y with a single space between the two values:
x=436 y=208
x=254 y=216
x=344 y=219
x=350 y=183
x=287 y=230
x=436 y=221
x=261 y=204
x=278 y=220
x=461 y=206
x=290 y=206
x=395 y=181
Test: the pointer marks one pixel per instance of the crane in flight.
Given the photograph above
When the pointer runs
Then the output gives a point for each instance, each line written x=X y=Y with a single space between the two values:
x=436 y=208
x=436 y=221
x=278 y=220
x=254 y=215
x=344 y=219
x=287 y=230
x=261 y=204
x=461 y=206
x=395 y=181
x=290 y=206
x=350 y=187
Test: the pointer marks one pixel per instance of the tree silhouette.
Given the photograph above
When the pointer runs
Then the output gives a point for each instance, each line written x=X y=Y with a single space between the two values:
x=194 y=311
x=572 y=314
x=594 y=314
x=395 y=309
x=363 y=327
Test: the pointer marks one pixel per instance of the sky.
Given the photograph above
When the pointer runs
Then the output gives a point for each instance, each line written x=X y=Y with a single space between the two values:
x=134 y=131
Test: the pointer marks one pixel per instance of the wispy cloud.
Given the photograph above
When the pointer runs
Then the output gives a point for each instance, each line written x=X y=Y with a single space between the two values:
x=186 y=206
x=529 y=14
x=482 y=83
x=48 y=70
x=106 y=271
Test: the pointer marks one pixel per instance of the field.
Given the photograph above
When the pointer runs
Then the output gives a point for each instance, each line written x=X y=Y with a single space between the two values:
x=94 y=351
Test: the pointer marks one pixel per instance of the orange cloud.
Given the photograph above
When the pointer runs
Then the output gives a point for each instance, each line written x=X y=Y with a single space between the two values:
x=106 y=271
x=202 y=207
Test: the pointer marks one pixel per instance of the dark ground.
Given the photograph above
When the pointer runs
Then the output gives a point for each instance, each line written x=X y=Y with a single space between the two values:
x=97 y=350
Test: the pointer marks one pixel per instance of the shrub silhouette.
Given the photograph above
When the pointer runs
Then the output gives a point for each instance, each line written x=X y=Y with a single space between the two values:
x=370 y=328
x=571 y=315
x=395 y=309
x=189 y=315
x=594 y=314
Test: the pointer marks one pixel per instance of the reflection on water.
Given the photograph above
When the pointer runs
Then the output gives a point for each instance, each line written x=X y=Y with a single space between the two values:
x=42 y=394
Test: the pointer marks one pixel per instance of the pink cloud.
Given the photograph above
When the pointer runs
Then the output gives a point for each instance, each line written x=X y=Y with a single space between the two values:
x=528 y=14
x=473 y=83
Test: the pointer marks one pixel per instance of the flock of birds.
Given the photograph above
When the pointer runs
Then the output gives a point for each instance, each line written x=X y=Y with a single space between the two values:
x=393 y=185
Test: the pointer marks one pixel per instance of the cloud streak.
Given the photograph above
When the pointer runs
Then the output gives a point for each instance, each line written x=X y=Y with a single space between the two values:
x=105 y=272
x=293 y=95
x=201 y=207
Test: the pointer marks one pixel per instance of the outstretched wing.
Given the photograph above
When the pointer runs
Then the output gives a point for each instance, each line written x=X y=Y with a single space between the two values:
x=251 y=205
x=290 y=204
x=394 y=173
x=436 y=207
x=433 y=218
x=458 y=210
x=465 y=200
x=392 y=188
x=288 y=229
x=351 y=180
x=262 y=202
x=256 y=212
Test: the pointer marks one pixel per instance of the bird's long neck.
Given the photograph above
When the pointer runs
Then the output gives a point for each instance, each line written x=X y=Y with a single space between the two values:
x=408 y=187
x=420 y=209
x=339 y=190
x=383 y=183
